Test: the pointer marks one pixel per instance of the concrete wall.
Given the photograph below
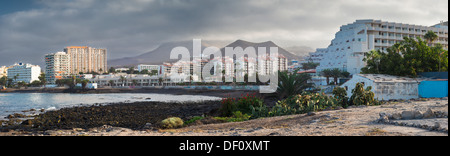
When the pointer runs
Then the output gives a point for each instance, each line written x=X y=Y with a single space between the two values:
x=385 y=90
x=433 y=89
x=397 y=90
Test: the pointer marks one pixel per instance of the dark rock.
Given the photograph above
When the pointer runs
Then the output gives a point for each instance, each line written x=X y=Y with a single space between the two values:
x=429 y=114
x=311 y=114
x=408 y=115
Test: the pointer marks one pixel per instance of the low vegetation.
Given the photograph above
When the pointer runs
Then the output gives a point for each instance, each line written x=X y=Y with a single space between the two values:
x=171 y=123
x=252 y=107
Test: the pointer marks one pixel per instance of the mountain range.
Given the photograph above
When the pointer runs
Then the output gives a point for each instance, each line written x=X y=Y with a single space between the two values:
x=162 y=53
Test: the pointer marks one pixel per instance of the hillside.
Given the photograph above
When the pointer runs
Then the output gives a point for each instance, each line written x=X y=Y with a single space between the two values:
x=162 y=53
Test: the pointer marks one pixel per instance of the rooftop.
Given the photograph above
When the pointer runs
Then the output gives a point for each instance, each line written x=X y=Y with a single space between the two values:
x=390 y=78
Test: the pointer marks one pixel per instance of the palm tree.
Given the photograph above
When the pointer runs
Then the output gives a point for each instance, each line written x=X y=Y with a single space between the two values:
x=111 y=82
x=292 y=84
x=135 y=82
x=326 y=73
x=430 y=36
x=123 y=79
x=160 y=80
x=42 y=79
x=15 y=78
x=336 y=73
x=84 y=84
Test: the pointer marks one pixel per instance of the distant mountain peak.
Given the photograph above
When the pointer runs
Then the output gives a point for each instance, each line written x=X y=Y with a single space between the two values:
x=162 y=53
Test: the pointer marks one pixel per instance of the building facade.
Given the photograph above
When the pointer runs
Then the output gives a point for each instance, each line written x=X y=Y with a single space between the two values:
x=347 y=49
x=86 y=59
x=57 y=66
x=150 y=68
x=24 y=72
x=3 y=71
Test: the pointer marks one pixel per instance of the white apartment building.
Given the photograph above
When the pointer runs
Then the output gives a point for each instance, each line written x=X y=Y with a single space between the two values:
x=151 y=68
x=57 y=66
x=24 y=72
x=347 y=49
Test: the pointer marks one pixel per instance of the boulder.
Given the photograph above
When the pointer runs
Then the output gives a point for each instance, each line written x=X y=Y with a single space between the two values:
x=429 y=114
x=396 y=116
x=408 y=115
x=418 y=115
x=384 y=118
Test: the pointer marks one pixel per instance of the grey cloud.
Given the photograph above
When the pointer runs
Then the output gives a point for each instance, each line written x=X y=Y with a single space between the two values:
x=132 y=27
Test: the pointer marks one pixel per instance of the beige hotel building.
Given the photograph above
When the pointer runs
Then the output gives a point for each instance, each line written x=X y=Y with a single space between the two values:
x=75 y=60
x=86 y=59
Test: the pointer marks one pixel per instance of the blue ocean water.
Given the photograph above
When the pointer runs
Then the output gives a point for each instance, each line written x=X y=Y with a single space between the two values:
x=11 y=103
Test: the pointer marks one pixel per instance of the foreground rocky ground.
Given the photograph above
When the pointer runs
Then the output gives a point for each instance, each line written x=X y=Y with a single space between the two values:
x=358 y=121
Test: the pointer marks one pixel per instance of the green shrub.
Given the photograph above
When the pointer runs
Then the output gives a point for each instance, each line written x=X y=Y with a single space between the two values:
x=245 y=104
x=341 y=95
x=361 y=96
x=194 y=119
x=227 y=106
x=171 y=123
x=236 y=117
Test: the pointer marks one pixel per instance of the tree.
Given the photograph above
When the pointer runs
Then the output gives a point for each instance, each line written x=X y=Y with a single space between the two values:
x=292 y=84
x=10 y=82
x=112 y=70
x=160 y=80
x=123 y=79
x=42 y=79
x=84 y=83
x=130 y=70
x=310 y=65
x=111 y=82
x=326 y=73
x=430 y=37
x=145 y=71
x=154 y=72
x=135 y=82
x=3 y=81
x=407 y=58
x=15 y=78
x=373 y=60
x=36 y=83
x=336 y=74
x=21 y=84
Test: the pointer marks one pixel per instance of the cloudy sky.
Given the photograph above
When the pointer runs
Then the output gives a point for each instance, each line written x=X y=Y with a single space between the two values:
x=29 y=29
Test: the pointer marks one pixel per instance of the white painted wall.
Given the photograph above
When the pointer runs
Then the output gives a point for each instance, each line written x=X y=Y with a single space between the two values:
x=386 y=90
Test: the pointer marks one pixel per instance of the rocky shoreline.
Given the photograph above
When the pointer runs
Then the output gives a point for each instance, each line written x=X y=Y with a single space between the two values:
x=217 y=93
x=127 y=115
x=135 y=120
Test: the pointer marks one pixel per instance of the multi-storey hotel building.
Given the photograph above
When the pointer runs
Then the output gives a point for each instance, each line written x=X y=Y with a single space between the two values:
x=346 y=51
x=21 y=72
x=57 y=66
x=73 y=61
x=86 y=59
